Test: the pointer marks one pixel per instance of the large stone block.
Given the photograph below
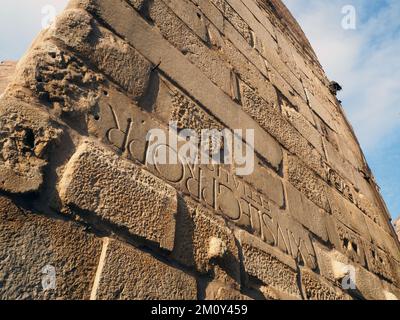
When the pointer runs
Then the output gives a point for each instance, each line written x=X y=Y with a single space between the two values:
x=54 y=77
x=34 y=246
x=185 y=38
x=317 y=288
x=27 y=136
x=306 y=212
x=205 y=242
x=306 y=181
x=126 y=22
x=115 y=58
x=97 y=182
x=126 y=273
x=333 y=265
x=271 y=120
x=269 y=265
x=346 y=212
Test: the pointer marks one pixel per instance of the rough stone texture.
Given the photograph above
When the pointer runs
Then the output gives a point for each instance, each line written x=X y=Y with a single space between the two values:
x=7 y=69
x=397 y=227
x=268 y=265
x=26 y=139
x=29 y=242
x=120 y=193
x=219 y=291
x=126 y=273
x=74 y=154
x=316 y=288
x=203 y=241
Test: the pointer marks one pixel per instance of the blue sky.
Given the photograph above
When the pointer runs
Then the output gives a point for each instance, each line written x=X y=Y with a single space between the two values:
x=364 y=61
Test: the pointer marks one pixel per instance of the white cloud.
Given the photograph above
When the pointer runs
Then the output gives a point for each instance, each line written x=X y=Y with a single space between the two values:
x=365 y=61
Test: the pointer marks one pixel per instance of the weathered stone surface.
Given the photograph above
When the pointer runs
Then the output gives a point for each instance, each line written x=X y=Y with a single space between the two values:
x=306 y=212
x=397 y=227
x=306 y=181
x=126 y=273
x=268 y=265
x=26 y=138
x=74 y=129
x=156 y=49
x=7 y=69
x=316 y=288
x=205 y=242
x=349 y=243
x=348 y=213
x=31 y=245
x=109 y=53
x=96 y=182
x=166 y=14
x=219 y=291
x=57 y=79
x=333 y=265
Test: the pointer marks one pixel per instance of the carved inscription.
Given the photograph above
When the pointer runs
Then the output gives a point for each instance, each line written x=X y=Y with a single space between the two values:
x=215 y=186
x=335 y=180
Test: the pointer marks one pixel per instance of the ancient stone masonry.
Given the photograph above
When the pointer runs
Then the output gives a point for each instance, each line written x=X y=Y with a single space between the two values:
x=397 y=227
x=81 y=197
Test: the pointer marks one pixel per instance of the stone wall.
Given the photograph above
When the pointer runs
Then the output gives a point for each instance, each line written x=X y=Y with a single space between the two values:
x=78 y=195
x=397 y=227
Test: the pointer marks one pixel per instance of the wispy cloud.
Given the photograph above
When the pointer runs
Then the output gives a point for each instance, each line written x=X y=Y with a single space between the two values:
x=365 y=61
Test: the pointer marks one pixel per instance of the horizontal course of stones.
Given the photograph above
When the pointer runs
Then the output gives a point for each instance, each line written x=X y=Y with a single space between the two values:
x=77 y=193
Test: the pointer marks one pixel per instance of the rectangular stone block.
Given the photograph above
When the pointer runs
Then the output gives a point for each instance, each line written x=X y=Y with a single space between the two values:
x=245 y=48
x=318 y=108
x=379 y=263
x=269 y=265
x=236 y=20
x=185 y=37
x=349 y=243
x=317 y=288
x=333 y=265
x=235 y=48
x=126 y=22
x=204 y=241
x=272 y=121
x=307 y=182
x=369 y=285
x=336 y=161
x=114 y=57
x=346 y=212
x=126 y=273
x=383 y=239
x=190 y=15
x=306 y=129
x=267 y=182
x=260 y=15
x=211 y=12
x=248 y=70
x=97 y=182
x=44 y=257
x=306 y=212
